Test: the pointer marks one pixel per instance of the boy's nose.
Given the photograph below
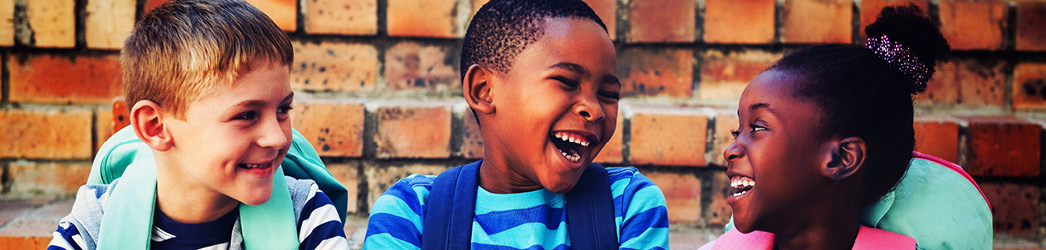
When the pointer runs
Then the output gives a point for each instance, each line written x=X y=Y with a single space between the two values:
x=590 y=110
x=273 y=135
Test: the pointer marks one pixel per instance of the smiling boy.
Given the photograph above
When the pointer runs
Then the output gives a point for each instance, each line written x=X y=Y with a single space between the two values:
x=209 y=86
x=541 y=79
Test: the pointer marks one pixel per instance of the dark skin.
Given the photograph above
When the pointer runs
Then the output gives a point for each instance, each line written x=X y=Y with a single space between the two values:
x=563 y=85
x=805 y=182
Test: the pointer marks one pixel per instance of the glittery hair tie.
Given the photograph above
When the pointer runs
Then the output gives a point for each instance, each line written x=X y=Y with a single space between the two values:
x=902 y=58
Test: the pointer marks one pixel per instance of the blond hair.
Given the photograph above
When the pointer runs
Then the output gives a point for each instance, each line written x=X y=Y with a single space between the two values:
x=185 y=49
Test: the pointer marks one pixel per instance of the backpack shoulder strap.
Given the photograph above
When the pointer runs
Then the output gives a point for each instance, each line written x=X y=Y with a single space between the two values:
x=590 y=211
x=128 y=218
x=450 y=209
x=271 y=225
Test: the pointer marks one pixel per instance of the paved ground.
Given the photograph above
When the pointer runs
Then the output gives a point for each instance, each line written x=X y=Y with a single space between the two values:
x=28 y=224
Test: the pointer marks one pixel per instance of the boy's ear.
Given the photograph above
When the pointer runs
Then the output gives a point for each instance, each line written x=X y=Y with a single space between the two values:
x=845 y=157
x=147 y=119
x=476 y=87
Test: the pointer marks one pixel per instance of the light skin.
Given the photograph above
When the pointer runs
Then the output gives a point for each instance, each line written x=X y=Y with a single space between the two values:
x=226 y=147
x=562 y=86
x=805 y=183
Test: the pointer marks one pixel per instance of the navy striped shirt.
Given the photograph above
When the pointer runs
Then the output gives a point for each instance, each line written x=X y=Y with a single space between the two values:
x=529 y=220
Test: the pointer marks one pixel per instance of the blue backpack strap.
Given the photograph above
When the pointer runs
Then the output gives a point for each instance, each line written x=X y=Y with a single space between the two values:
x=590 y=211
x=450 y=209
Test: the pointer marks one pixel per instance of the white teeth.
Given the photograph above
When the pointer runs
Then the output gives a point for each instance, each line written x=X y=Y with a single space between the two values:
x=570 y=138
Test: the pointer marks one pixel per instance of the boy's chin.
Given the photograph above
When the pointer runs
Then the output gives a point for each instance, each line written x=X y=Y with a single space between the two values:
x=256 y=198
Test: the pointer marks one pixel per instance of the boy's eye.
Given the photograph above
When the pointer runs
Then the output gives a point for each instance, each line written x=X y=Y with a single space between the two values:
x=611 y=95
x=249 y=115
x=735 y=133
x=566 y=81
x=757 y=128
x=284 y=109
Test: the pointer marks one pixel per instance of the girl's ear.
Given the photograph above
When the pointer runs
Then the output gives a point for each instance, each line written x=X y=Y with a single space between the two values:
x=147 y=119
x=844 y=158
x=476 y=87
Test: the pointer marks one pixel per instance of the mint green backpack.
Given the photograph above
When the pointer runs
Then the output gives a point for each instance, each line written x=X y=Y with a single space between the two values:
x=128 y=220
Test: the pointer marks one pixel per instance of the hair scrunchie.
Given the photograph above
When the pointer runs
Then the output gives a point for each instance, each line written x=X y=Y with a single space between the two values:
x=902 y=58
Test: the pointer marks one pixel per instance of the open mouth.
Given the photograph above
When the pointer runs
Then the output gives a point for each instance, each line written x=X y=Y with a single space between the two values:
x=740 y=186
x=572 y=145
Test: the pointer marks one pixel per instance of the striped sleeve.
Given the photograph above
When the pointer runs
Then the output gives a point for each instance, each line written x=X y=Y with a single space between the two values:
x=67 y=237
x=641 y=210
x=319 y=225
x=397 y=216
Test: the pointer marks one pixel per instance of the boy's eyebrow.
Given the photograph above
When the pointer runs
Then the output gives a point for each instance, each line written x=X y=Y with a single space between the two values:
x=260 y=103
x=571 y=67
x=762 y=105
x=611 y=79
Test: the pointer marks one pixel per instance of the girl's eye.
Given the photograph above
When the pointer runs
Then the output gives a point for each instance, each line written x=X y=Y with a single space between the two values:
x=566 y=81
x=249 y=115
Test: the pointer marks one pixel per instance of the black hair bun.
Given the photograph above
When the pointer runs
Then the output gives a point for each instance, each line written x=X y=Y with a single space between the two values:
x=908 y=25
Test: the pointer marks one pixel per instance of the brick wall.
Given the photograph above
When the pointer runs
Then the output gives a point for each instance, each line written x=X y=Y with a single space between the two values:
x=378 y=96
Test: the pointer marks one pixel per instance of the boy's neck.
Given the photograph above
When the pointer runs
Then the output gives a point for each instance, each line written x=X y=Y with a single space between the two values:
x=183 y=199
x=497 y=177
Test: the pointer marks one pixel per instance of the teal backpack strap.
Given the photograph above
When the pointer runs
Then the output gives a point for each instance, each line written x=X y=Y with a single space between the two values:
x=128 y=220
x=271 y=225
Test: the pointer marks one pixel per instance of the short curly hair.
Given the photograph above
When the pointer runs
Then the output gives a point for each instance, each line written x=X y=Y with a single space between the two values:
x=501 y=29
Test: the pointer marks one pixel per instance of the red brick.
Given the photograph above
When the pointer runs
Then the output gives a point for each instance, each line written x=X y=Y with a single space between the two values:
x=382 y=177
x=668 y=136
x=969 y=83
x=1003 y=146
x=30 y=179
x=870 y=10
x=108 y=23
x=349 y=176
x=718 y=212
x=611 y=152
x=51 y=24
x=64 y=79
x=820 y=21
x=725 y=122
x=972 y=25
x=47 y=134
x=334 y=66
x=471 y=136
x=7 y=24
x=152 y=4
x=413 y=131
x=682 y=195
x=1031 y=18
x=120 y=110
x=739 y=22
x=938 y=137
x=1029 y=86
x=24 y=242
x=103 y=127
x=424 y=18
x=607 y=12
x=283 y=12
x=654 y=72
x=724 y=77
x=334 y=129
x=348 y=17
x=661 y=21
x=1014 y=208
x=410 y=65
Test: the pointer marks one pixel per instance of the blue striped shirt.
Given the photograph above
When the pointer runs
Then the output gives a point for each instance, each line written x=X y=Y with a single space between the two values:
x=319 y=224
x=529 y=220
